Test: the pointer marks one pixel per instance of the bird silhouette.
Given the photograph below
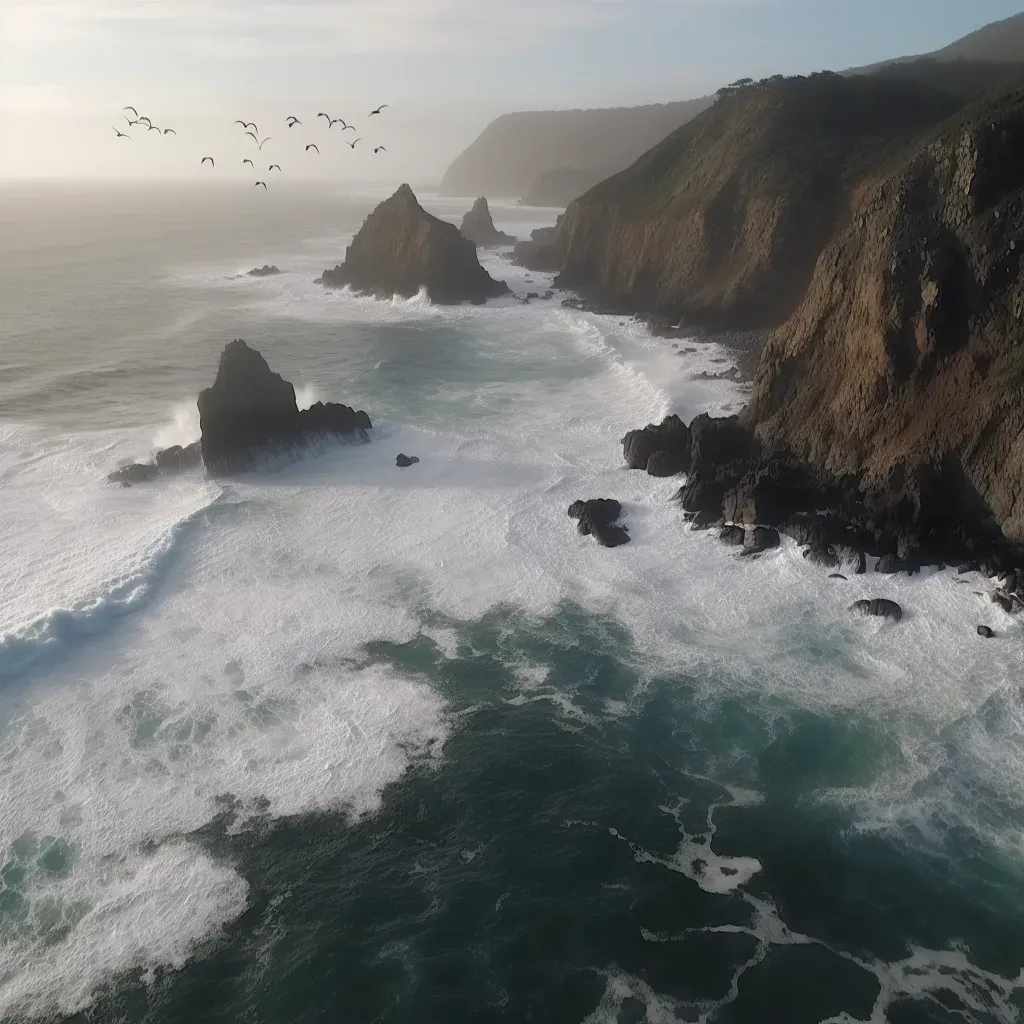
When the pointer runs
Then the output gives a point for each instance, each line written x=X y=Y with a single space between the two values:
x=132 y=109
x=144 y=120
x=242 y=123
x=249 y=162
x=313 y=145
x=130 y=121
x=272 y=166
x=293 y=121
x=263 y=183
x=153 y=128
x=254 y=139
x=379 y=149
x=250 y=124
x=352 y=145
x=170 y=131
x=335 y=120
x=260 y=145
x=322 y=114
x=349 y=126
x=378 y=110
x=205 y=158
x=120 y=135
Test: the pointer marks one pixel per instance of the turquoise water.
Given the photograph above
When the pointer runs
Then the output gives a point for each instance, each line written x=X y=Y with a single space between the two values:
x=338 y=741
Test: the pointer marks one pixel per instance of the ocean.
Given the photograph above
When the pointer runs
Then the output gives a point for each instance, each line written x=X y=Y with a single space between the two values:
x=338 y=741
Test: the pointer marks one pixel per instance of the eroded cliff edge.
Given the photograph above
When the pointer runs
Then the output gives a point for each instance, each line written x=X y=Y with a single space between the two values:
x=906 y=354
x=721 y=223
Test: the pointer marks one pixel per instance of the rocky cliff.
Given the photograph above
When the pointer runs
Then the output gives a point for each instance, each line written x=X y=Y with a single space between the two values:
x=722 y=222
x=904 y=363
x=250 y=411
x=401 y=248
x=513 y=151
x=561 y=186
x=479 y=228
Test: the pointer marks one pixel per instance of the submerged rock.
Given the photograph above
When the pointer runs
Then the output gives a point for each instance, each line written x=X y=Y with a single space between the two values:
x=401 y=248
x=479 y=228
x=879 y=606
x=404 y=461
x=250 y=411
x=598 y=517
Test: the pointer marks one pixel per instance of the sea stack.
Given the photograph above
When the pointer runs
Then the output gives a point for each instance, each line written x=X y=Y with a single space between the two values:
x=250 y=412
x=401 y=248
x=478 y=227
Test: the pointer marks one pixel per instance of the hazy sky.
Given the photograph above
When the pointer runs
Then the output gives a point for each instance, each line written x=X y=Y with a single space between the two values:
x=447 y=67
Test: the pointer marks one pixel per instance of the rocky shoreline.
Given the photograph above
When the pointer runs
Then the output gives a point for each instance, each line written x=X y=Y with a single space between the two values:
x=752 y=496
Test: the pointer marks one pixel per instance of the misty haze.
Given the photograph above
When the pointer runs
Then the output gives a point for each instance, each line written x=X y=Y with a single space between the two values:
x=512 y=511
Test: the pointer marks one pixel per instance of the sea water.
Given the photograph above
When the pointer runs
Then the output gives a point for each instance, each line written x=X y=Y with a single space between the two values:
x=336 y=740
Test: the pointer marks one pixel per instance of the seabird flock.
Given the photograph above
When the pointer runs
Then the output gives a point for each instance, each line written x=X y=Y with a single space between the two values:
x=250 y=129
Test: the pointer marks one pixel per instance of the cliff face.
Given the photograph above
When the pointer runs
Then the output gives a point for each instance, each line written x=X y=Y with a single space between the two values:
x=561 y=186
x=401 y=248
x=906 y=357
x=513 y=151
x=722 y=222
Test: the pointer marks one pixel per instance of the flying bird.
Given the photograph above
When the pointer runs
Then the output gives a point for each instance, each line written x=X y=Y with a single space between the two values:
x=272 y=166
x=378 y=110
x=130 y=121
x=348 y=126
x=254 y=139
x=144 y=120
x=263 y=183
x=205 y=158
x=170 y=131
x=260 y=145
x=352 y=145
x=249 y=162
x=322 y=114
x=313 y=145
x=335 y=120
x=120 y=135
x=153 y=128
x=379 y=149
x=292 y=121
x=132 y=109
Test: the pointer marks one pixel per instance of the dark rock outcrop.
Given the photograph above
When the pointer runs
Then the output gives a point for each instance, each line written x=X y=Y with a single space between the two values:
x=761 y=538
x=250 y=412
x=401 y=248
x=986 y=631
x=478 y=227
x=175 y=459
x=403 y=461
x=135 y=473
x=666 y=443
x=598 y=518
x=879 y=606
x=265 y=271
